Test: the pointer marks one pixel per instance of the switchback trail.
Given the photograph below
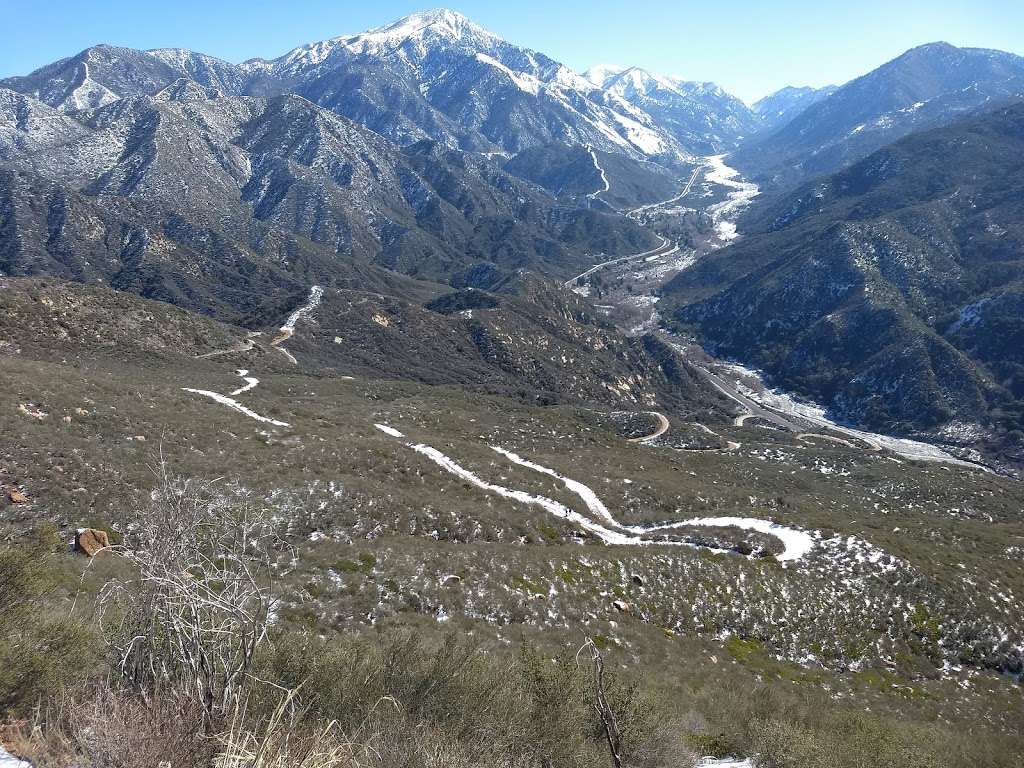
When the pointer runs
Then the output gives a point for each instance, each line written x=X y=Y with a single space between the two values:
x=663 y=426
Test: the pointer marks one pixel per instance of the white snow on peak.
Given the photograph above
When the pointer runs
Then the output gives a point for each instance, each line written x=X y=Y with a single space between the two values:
x=182 y=57
x=440 y=21
x=635 y=81
x=437 y=23
x=88 y=94
x=523 y=81
x=570 y=79
x=600 y=74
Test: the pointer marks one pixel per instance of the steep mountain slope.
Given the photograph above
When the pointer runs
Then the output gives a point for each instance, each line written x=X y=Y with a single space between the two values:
x=277 y=181
x=591 y=177
x=700 y=116
x=777 y=109
x=525 y=338
x=926 y=87
x=437 y=75
x=889 y=290
x=432 y=75
x=103 y=74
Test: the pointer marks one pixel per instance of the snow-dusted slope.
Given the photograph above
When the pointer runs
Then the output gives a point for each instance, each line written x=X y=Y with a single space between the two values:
x=438 y=75
x=431 y=75
x=702 y=117
x=778 y=108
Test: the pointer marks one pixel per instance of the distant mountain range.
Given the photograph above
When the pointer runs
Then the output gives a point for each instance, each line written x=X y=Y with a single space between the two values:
x=777 y=109
x=242 y=187
x=924 y=88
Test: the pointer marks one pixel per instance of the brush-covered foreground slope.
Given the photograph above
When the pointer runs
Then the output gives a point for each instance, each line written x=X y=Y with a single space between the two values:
x=214 y=200
x=890 y=291
x=926 y=87
x=912 y=577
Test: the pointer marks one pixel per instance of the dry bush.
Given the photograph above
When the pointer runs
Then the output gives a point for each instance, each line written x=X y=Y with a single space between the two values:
x=199 y=600
x=282 y=742
x=116 y=729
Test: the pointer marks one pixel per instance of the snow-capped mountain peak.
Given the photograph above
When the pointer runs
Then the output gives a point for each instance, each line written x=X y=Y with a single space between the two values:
x=424 y=27
x=635 y=83
x=701 y=116
x=601 y=74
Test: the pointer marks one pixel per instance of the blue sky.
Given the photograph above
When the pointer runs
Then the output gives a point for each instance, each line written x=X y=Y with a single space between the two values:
x=749 y=47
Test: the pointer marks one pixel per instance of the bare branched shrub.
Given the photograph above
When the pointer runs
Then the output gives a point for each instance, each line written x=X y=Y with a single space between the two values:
x=200 y=596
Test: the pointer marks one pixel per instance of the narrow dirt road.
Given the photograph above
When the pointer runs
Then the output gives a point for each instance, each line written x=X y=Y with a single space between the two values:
x=661 y=430
x=663 y=249
x=636 y=212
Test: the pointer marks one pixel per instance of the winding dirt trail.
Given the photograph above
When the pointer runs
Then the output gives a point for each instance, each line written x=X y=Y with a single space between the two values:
x=236 y=406
x=251 y=383
x=663 y=426
x=242 y=346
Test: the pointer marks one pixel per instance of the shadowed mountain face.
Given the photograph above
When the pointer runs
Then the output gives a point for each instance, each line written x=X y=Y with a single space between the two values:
x=926 y=87
x=277 y=182
x=890 y=290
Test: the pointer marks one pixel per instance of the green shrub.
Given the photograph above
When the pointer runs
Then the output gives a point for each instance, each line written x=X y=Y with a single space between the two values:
x=41 y=654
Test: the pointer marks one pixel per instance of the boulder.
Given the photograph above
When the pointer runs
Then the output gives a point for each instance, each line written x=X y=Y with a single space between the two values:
x=89 y=541
x=16 y=496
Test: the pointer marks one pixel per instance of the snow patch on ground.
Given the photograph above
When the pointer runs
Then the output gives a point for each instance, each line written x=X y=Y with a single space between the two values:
x=784 y=403
x=251 y=382
x=7 y=760
x=743 y=193
x=604 y=177
x=316 y=293
x=235 y=405
x=389 y=430
x=640 y=136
